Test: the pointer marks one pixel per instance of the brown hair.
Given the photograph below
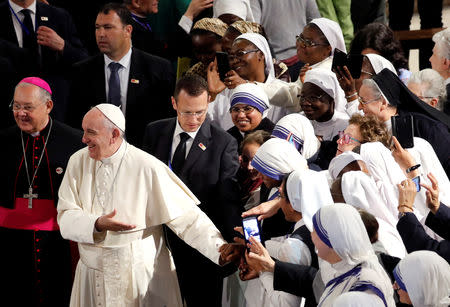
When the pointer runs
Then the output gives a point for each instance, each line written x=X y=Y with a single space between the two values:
x=371 y=129
x=371 y=224
x=257 y=137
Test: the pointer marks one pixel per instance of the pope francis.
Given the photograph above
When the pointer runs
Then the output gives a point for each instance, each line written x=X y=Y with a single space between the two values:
x=113 y=201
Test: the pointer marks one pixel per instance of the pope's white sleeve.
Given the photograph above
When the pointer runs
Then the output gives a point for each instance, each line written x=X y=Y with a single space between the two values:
x=283 y=94
x=197 y=230
x=75 y=224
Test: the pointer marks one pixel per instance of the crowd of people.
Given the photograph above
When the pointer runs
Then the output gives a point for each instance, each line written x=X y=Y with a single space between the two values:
x=132 y=162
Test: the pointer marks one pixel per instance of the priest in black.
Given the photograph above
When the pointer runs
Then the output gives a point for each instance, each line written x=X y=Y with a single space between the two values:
x=35 y=261
x=50 y=43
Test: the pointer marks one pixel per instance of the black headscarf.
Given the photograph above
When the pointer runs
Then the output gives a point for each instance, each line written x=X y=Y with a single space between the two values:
x=401 y=97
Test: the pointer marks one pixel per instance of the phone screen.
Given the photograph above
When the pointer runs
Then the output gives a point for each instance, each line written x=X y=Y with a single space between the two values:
x=251 y=228
x=223 y=65
x=403 y=130
x=417 y=182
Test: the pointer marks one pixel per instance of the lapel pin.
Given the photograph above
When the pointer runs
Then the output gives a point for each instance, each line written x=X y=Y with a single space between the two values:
x=203 y=147
x=135 y=81
x=44 y=18
x=59 y=170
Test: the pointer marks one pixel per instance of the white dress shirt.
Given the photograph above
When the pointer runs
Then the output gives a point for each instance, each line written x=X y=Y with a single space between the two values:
x=124 y=73
x=17 y=27
x=176 y=139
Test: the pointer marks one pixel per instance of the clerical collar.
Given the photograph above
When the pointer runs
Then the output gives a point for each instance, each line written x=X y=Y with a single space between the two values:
x=124 y=61
x=17 y=8
x=179 y=130
x=117 y=156
x=43 y=131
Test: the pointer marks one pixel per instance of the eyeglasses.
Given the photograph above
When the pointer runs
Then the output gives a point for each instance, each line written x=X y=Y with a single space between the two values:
x=247 y=110
x=309 y=99
x=28 y=108
x=368 y=101
x=192 y=114
x=425 y=97
x=345 y=138
x=306 y=42
x=240 y=54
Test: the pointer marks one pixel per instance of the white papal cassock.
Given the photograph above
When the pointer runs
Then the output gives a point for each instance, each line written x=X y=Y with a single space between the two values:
x=129 y=268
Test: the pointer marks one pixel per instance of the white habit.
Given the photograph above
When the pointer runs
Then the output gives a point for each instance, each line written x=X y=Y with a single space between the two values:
x=129 y=268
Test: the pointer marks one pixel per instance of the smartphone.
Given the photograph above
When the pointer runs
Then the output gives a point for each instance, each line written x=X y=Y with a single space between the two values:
x=223 y=65
x=355 y=65
x=403 y=130
x=339 y=59
x=417 y=182
x=252 y=228
x=352 y=61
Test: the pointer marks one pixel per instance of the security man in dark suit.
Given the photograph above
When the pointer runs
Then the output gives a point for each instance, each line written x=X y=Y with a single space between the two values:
x=50 y=39
x=205 y=158
x=140 y=83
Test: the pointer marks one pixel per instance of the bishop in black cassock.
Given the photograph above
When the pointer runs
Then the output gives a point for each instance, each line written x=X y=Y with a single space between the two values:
x=35 y=260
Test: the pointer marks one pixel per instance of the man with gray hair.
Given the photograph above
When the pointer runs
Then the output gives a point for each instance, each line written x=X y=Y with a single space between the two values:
x=38 y=260
x=440 y=61
x=113 y=201
x=428 y=85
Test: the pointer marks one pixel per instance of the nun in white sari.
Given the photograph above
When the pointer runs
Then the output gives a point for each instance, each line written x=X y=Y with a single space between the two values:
x=287 y=96
x=360 y=191
x=358 y=299
x=422 y=279
x=276 y=158
x=218 y=110
x=307 y=192
x=297 y=130
x=341 y=240
x=327 y=82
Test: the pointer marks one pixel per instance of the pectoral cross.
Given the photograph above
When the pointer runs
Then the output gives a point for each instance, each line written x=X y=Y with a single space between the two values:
x=30 y=197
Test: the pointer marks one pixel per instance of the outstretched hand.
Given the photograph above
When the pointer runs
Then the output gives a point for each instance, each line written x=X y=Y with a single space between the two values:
x=259 y=259
x=432 y=193
x=231 y=252
x=264 y=210
x=107 y=222
x=196 y=7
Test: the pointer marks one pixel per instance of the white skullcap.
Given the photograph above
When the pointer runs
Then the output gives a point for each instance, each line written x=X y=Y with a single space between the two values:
x=240 y=8
x=113 y=113
x=379 y=63
x=339 y=162
x=332 y=32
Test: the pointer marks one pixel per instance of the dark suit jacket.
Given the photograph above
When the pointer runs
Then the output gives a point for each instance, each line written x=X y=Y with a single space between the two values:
x=210 y=174
x=55 y=65
x=415 y=238
x=150 y=86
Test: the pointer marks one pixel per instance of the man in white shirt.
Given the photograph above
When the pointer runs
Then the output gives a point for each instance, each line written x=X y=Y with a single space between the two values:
x=122 y=75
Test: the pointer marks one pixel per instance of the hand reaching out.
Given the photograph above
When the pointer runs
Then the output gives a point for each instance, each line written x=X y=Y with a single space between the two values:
x=345 y=80
x=259 y=259
x=215 y=85
x=432 y=194
x=264 y=210
x=107 y=222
